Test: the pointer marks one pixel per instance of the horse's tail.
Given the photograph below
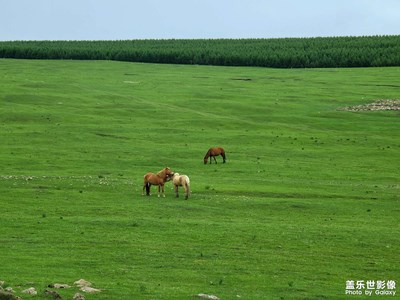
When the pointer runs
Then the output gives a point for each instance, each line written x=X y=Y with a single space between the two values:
x=148 y=189
x=223 y=155
x=187 y=185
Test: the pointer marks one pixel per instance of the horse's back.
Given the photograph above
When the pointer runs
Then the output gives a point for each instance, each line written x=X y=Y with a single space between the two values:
x=151 y=178
x=184 y=180
x=217 y=151
x=147 y=175
x=181 y=180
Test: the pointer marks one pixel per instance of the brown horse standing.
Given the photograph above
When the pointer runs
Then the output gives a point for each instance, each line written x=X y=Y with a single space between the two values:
x=213 y=152
x=157 y=179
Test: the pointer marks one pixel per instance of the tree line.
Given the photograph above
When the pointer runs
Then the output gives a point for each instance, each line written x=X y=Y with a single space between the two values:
x=320 y=52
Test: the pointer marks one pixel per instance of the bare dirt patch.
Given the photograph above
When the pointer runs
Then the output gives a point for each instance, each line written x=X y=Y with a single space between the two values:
x=383 y=104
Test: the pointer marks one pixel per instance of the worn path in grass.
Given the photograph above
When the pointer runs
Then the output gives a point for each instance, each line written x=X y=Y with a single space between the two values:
x=308 y=198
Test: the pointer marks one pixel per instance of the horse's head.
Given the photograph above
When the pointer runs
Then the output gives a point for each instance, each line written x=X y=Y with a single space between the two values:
x=205 y=160
x=168 y=171
x=168 y=174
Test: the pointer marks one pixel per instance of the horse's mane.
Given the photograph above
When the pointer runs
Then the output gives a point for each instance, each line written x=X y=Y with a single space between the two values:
x=163 y=173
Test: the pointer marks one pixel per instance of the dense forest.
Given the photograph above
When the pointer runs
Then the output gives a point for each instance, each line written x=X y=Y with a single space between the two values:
x=321 y=52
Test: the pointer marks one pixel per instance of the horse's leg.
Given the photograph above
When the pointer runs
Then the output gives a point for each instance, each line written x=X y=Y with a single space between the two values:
x=159 y=188
x=144 y=186
x=148 y=191
x=163 y=193
x=176 y=191
x=215 y=159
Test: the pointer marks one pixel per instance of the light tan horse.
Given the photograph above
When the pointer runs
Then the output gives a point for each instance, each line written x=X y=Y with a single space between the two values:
x=157 y=179
x=181 y=180
x=213 y=152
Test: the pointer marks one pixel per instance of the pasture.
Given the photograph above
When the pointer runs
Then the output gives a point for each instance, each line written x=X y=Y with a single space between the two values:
x=308 y=197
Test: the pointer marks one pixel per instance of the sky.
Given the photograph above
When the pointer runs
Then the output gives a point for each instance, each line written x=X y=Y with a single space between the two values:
x=195 y=19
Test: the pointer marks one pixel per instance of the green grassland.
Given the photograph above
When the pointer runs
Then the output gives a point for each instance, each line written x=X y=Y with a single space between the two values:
x=308 y=198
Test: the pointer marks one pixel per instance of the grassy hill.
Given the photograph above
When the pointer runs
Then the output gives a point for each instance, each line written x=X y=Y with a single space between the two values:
x=308 y=198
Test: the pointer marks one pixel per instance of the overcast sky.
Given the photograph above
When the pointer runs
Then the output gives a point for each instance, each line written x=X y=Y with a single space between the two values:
x=164 y=19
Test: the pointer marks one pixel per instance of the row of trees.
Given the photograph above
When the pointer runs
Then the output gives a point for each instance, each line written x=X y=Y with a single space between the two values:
x=370 y=51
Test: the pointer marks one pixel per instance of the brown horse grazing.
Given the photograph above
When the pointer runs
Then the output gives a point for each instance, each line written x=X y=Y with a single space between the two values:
x=157 y=179
x=181 y=180
x=213 y=152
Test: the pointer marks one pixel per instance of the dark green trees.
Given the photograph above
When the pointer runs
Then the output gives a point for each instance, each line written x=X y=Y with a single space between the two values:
x=370 y=51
